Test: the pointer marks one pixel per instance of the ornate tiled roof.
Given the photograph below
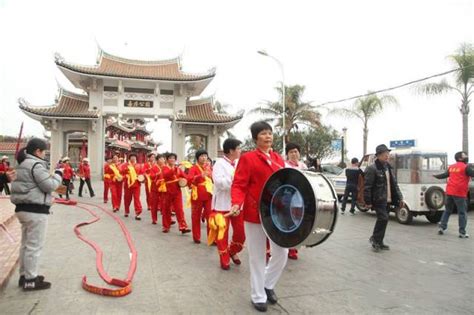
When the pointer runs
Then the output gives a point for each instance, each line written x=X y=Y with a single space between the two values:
x=113 y=66
x=69 y=105
x=10 y=147
x=202 y=111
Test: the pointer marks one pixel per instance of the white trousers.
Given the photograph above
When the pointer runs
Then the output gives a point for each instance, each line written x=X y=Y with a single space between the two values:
x=33 y=232
x=262 y=276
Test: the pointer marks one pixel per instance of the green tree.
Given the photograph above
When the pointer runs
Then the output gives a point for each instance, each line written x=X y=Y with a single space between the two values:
x=462 y=85
x=297 y=112
x=315 y=143
x=365 y=109
x=195 y=143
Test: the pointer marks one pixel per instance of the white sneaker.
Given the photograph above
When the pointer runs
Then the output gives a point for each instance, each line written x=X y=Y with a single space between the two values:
x=463 y=235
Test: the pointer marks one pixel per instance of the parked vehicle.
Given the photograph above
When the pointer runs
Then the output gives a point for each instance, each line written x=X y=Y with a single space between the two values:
x=338 y=177
x=414 y=169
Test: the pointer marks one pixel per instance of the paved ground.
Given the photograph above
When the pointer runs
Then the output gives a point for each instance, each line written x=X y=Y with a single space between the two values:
x=423 y=273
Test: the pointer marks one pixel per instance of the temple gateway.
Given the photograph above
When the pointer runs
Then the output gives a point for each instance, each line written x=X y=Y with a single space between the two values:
x=119 y=94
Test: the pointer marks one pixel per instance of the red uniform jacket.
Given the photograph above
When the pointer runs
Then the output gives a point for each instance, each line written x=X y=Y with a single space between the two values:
x=85 y=170
x=68 y=171
x=151 y=172
x=253 y=170
x=196 y=178
x=109 y=173
x=126 y=174
x=171 y=176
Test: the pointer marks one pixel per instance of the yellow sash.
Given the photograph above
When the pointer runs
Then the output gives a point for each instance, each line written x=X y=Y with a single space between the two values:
x=132 y=177
x=217 y=228
x=114 y=169
x=207 y=183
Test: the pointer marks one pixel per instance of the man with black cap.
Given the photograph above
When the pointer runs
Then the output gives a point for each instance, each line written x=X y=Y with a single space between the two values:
x=380 y=191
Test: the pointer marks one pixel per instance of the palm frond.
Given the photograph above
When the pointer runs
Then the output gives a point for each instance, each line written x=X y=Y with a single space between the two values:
x=434 y=88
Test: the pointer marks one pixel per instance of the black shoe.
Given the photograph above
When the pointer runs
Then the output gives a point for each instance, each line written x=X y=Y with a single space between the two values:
x=271 y=296
x=261 y=307
x=184 y=231
x=138 y=218
x=384 y=247
x=126 y=215
x=343 y=211
x=92 y=196
x=376 y=248
x=21 y=282
x=352 y=212
x=36 y=284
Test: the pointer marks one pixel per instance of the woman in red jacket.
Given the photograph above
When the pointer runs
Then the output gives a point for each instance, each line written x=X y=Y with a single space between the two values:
x=68 y=173
x=253 y=170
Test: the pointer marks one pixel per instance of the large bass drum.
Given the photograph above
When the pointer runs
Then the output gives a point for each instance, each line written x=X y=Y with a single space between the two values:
x=298 y=208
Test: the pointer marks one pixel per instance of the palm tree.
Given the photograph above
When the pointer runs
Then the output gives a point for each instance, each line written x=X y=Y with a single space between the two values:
x=463 y=85
x=297 y=112
x=196 y=142
x=365 y=109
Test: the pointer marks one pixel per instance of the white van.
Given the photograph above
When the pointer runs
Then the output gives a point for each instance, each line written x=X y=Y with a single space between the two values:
x=414 y=169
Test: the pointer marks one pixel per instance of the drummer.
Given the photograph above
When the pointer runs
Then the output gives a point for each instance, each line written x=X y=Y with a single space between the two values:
x=174 y=178
x=253 y=170
x=130 y=173
x=200 y=180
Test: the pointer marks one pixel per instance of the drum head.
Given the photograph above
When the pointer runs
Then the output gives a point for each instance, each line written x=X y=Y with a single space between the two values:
x=287 y=207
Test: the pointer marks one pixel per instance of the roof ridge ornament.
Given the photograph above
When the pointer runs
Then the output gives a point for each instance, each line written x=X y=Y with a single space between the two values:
x=58 y=58
x=23 y=102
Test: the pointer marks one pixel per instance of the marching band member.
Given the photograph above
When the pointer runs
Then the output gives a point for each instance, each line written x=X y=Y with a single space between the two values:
x=149 y=167
x=130 y=172
x=253 y=170
x=223 y=174
x=85 y=177
x=173 y=198
x=293 y=160
x=68 y=173
x=152 y=175
x=113 y=174
x=107 y=180
x=200 y=180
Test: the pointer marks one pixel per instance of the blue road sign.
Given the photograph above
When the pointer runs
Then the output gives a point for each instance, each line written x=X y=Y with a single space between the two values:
x=402 y=143
x=336 y=144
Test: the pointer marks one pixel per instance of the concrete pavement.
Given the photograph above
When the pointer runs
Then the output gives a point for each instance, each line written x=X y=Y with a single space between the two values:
x=424 y=273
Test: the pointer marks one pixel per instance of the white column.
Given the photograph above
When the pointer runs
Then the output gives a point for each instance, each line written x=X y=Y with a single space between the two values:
x=212 y=142
x=177 y=139
x=96 y=147
x=56 y=144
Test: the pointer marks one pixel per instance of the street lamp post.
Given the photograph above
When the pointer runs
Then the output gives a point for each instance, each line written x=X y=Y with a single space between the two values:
x=264 y=53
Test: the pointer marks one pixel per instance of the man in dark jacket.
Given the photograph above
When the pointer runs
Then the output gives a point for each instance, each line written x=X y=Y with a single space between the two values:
x=352 y=175
x=380 y=191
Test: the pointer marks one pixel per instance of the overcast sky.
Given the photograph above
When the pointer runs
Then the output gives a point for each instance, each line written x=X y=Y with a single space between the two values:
x=336 y=49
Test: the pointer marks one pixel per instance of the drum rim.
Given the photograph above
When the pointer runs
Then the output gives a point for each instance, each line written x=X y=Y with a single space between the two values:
x=335 y=215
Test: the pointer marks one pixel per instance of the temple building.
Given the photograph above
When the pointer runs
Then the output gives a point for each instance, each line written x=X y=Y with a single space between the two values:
x=119 y=94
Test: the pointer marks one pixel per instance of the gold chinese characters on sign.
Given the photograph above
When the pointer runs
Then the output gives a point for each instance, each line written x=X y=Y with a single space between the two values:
x=135 y=103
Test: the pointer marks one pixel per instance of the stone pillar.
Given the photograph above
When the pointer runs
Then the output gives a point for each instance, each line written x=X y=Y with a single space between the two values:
x=177 y=139
x=96 y=146
x=212 y=142
x=56 y=144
